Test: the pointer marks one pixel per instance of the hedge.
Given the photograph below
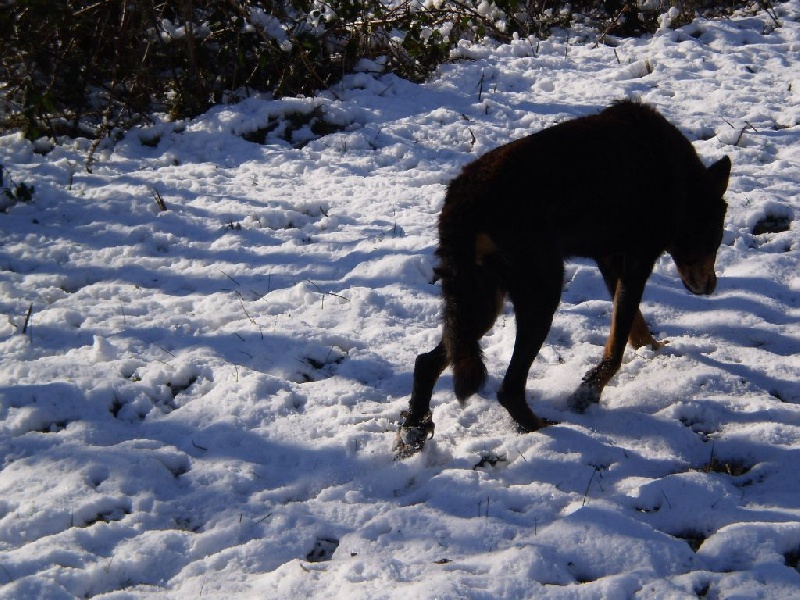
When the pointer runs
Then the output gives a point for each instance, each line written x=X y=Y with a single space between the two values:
x=94 y=68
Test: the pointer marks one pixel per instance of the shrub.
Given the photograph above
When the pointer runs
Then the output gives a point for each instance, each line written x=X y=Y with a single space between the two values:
x=91 y=69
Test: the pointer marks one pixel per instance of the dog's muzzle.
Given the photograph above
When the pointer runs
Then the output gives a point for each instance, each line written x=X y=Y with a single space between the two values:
x=699 y=278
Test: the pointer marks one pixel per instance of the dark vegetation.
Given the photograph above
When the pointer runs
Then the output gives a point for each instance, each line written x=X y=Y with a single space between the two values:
x=94 y=68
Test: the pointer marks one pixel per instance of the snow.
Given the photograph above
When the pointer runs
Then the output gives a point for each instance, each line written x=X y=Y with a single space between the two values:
x=205 y=397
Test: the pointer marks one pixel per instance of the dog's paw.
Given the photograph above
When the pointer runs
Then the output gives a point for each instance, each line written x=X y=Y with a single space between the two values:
x=583 y=398
x=411 y=437
x=521 y=413
x=531 y=423
x=540 y=423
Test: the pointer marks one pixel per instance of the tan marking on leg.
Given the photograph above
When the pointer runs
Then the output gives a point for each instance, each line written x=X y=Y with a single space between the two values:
x=612 y=353
x=640 y=334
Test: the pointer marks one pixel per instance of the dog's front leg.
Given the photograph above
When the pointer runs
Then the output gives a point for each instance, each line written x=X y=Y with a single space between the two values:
x=611 y=268
x=418 y=425
x=627 y=295
x=640 y=335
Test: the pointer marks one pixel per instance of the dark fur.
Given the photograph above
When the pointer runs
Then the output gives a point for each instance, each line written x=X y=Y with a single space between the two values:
x=621 y=187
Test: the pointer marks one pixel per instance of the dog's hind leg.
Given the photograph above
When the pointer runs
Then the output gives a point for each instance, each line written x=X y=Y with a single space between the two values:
x=418 y=423
x=535 y=295
x=627 y=295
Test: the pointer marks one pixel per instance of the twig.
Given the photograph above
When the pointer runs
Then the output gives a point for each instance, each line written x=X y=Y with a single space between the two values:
x=159 y=200
x=247 y=314
x=164 y=350
x=611 y=25
x=711 y=458
x=481 y=512
x=229 y=277
x=92 y=150
x=319 y=289
x=741 y=131
x=769 y=8
x=588 y=485
x=27 y=319
x=262 y=519
x=586 y=491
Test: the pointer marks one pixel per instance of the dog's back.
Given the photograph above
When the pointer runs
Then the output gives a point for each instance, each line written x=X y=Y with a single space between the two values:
x=622 y=177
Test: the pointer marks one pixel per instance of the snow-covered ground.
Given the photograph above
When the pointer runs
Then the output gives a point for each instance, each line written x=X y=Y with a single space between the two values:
x=204 y=400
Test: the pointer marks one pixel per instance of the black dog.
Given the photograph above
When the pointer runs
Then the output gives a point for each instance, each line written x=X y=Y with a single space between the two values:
x=621 y=187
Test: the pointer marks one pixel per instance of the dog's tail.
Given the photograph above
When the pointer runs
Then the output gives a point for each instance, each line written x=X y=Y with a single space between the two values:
x=473 y=295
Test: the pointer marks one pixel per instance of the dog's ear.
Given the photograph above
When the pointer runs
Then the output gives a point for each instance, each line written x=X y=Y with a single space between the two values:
x=718 y=175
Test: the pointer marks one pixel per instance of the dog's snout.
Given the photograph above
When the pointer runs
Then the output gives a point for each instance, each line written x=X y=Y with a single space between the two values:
x=699 y=279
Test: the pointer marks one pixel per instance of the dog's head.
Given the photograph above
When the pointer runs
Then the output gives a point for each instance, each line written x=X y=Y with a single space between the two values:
x=695 y=249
